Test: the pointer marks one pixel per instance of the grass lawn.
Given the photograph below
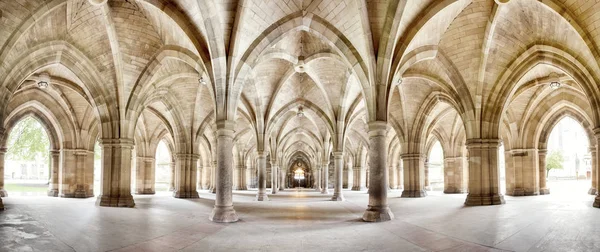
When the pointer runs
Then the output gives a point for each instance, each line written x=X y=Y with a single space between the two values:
x=25 y=187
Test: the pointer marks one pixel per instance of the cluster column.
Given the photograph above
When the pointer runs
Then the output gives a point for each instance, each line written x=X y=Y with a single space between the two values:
x=484 y=175
x=274 y=177
x=338 y=161
x=543 y=173
x=318 y=182
x=74 y=170
x=360 y=182
x=393 y=177
x=55 y=166
x=223 y=211
x=116 y=173
x=325 y=178
x=594 y=187
x=172 y=182
x=414 y=175
x=426 y=174
x=262 y=176
x=185 y=176
x=281 y=179
x=455 y=176
x=145 y=176
x=378 y=209
x=3 y=192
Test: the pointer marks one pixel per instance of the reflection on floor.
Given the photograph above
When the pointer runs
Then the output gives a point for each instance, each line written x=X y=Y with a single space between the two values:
x=303 y=220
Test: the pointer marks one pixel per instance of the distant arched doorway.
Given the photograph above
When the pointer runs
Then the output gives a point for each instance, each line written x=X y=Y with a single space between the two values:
x=299 y=175
x=435 y=168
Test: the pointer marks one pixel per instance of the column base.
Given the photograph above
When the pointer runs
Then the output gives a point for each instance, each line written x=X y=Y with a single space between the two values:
x=273 y=192
x=378 y=214
x=146 y=191
x=262 y=197
x=171 y=189
x=546 y=191
x=318 y=189
x=223 y=214
x=338 y=197
x=122 y=201
x=453 y=190
x=3 y=193
x=53 y=193
x=281 y=189
x=213 y=190
x=241 y=188
x=597 y=201
x=413 y=194
x=186 y=195
x=486 y=200
x=592 y=191
x=324 y=191
x=358 y=188
x=516 y=192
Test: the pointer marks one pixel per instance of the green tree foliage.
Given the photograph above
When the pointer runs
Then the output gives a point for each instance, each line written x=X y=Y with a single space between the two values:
x=28 y=142
x=554 y=161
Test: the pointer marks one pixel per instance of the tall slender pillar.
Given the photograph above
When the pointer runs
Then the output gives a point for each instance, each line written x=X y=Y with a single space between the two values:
x=594 y=187
x=239 y=182
x=414 y=175
x=172 y=181
x=349 y=175
x=213 y=180
x=274 y=177
x=393 y=177
x=338 y=161
x=325 y=178
x=318 y=177
x=426 y=175
x=185 y=176
x=455 y=175
x=145 y=176
x=360 y=181
x=401 y=176
x=378 y=209
x=54 y=167
x=199 y=171
x=262 y=177
x=281 y=182
x=484 y=175
x=3 y=192
x=543 y=173
x=223 y=211
x=73 y=174
x=116 y=173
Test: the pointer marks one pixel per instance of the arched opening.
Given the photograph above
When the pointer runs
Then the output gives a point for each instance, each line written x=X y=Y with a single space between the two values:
x=163 y=168
x=568 y=159
x=435 y=168
x=299 y=175
x=27 y=162
x=97 y=168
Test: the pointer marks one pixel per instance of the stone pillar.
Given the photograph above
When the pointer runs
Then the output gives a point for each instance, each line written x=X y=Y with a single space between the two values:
x=393 y=177
x=116 y=173
x=185 y=176
x=199 y=171
x=525 y=170
x=378 y=209
x=3 y=192
x=325 y=178
x=350 y=175
x=213 y=178
x=484 y=175
x=414 y=175
x=262 y=176
x=172 y=182
x=72 y=177
x=592 y=190
x=318 y=178
x=223 y=211
x=401 y=176
x=239 y=182
x=274 y=177
x=360 y=181
x=426 y=175
x=54 y=167
x=145 y=176
x=455 y=176
x=543 y=173
x=338 y=161
x=1 y=205
x=281 y=182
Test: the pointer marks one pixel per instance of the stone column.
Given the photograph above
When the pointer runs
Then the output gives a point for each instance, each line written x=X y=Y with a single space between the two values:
x=72 y=176
x=345 y=177
x=455 y=177
x=318 y=183
x=525 y=172
x=239 y=182
x=393 y=177
x=350 y=175
x=1 y=205
x=401 y=176
x=543 y=173
x=199 y=171
x=592 y=190
x=484 y=175
x=325 y=178
x=274 y=177
x=597 y=159
x=426 y=175
x=378 y=209
x=172 y=182
x=213 y=180
x=262 y=176
x=54 y=167
x=360 y=182
x=116 y=173
x=145 y=176
x=3 y=192
x=414 y=175
x=185 y=176
x=338 y=161
x=281 y=182
x=223 y=211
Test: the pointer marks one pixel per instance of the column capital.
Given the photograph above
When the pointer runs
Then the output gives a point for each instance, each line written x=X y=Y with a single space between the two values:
x=409 y=156
x=592 y=149
x=481 y=143
x=117 y=142
x=378 y=128
x=338 y=154
x=54 y=152
x=597 y=132
x=187 y=156
x=225 y=128
x=261 y=154
x=543 y=151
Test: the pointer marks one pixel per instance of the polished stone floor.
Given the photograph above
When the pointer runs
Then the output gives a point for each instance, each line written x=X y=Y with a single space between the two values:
x=303 y=220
